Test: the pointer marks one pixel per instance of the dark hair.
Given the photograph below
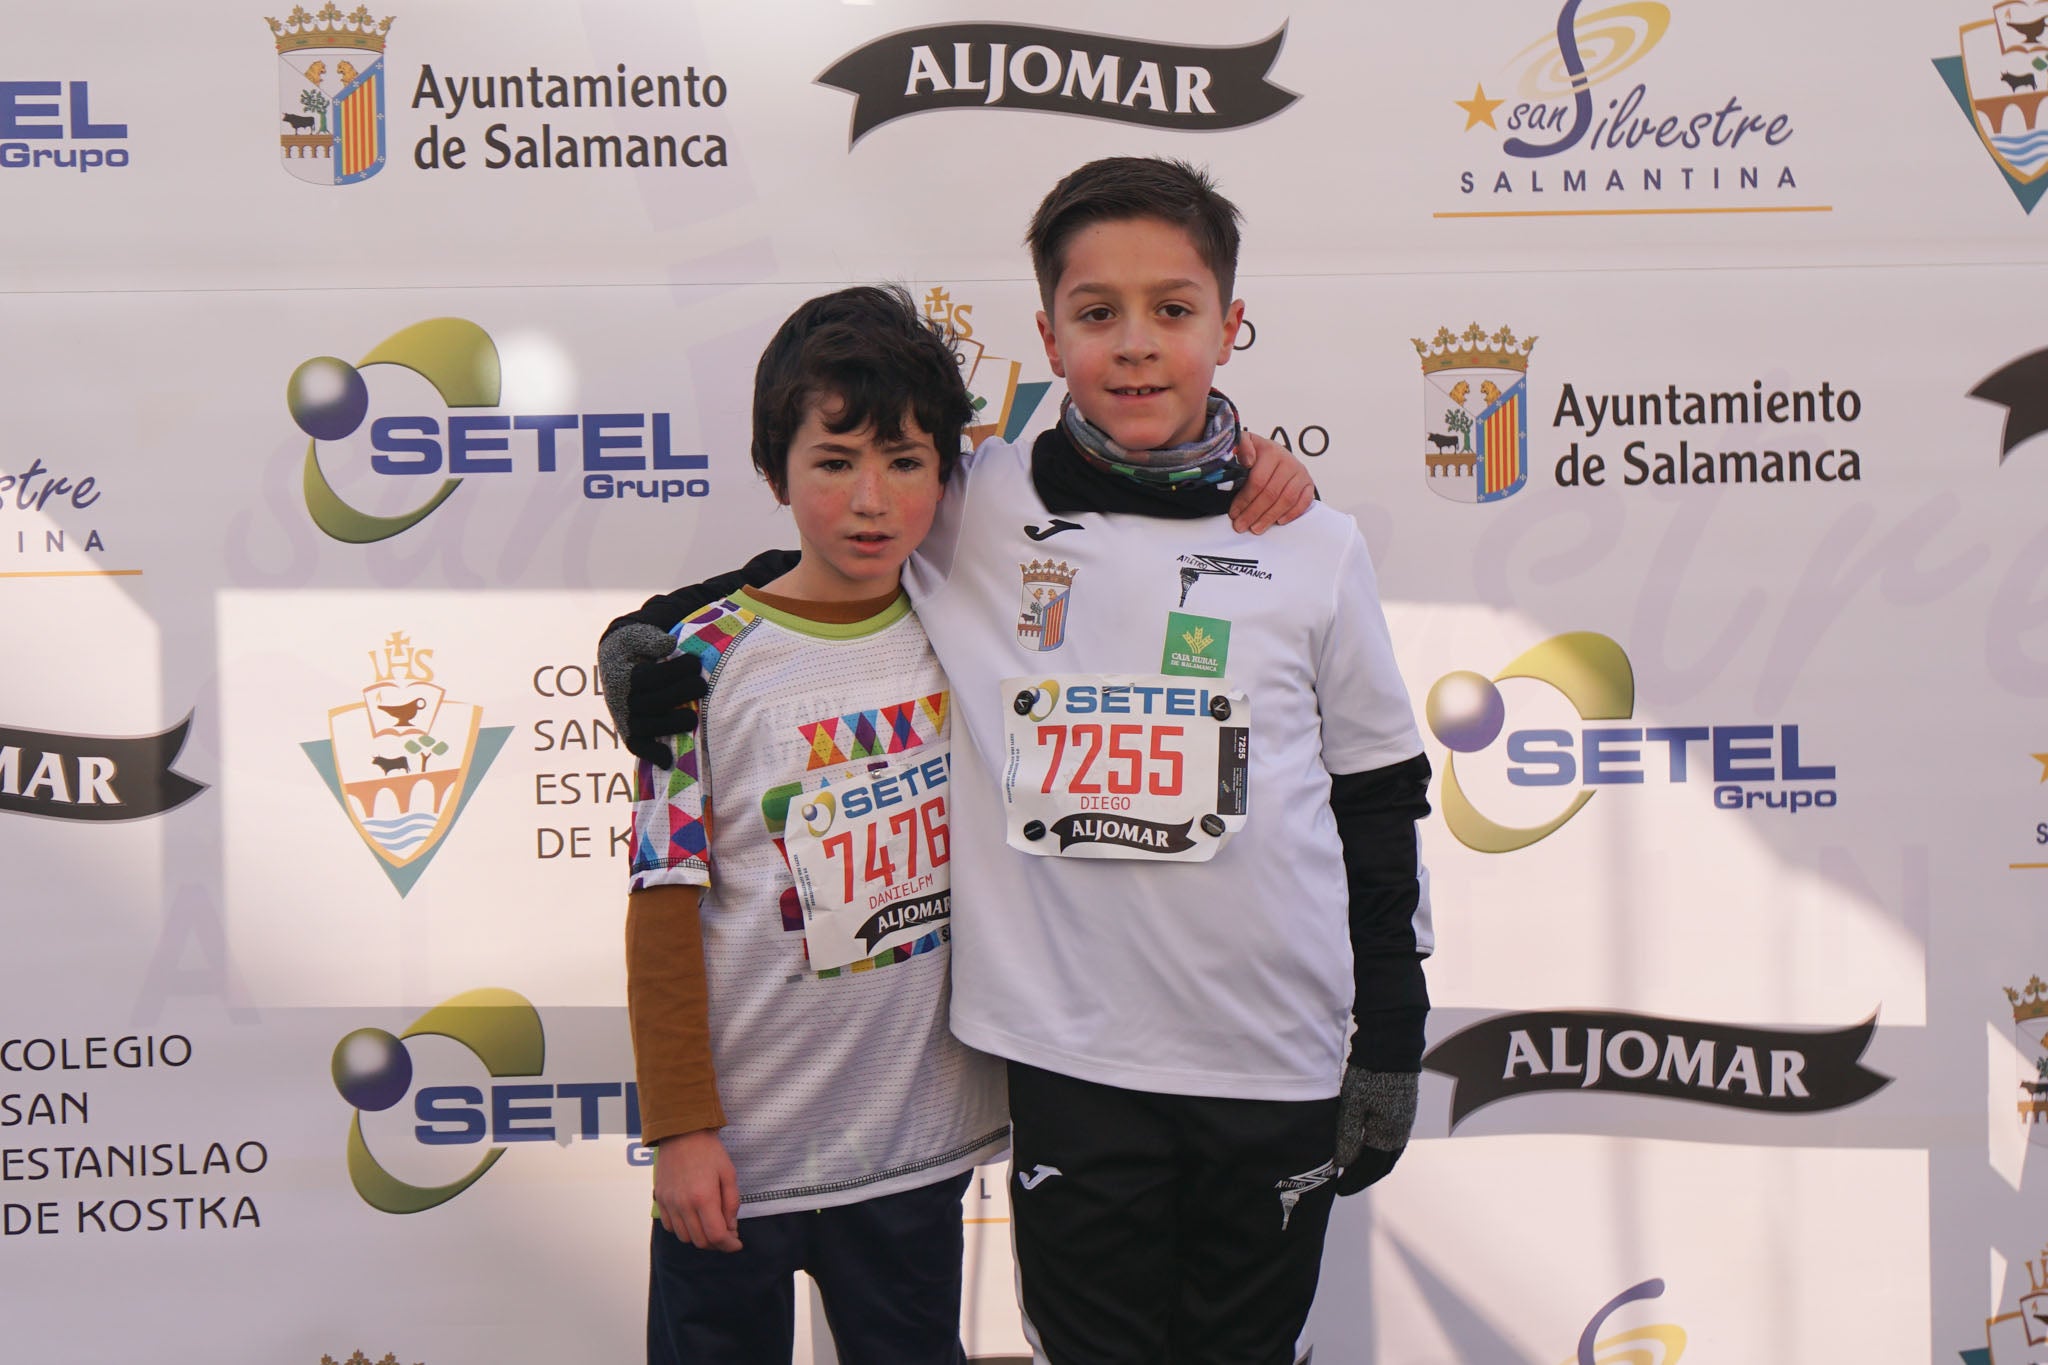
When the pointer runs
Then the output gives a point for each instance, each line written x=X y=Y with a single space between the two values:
x=869 y=348
x=1120 y=187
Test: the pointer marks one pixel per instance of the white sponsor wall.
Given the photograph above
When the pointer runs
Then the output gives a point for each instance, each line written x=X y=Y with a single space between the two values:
x=1729 y=1063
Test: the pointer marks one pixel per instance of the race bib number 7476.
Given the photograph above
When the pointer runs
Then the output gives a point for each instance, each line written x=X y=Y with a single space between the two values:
x=1124 y=766
x=871 y=859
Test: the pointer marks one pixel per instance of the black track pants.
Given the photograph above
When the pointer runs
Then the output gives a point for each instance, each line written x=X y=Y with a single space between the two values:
x=1166 y=1229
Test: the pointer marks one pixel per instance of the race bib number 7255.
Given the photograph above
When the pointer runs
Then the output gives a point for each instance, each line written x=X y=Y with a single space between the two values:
x=1124 y=766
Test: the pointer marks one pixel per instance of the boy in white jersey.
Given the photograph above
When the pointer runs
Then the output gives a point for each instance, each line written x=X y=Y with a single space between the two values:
x=787 y=934
x=1185 y=817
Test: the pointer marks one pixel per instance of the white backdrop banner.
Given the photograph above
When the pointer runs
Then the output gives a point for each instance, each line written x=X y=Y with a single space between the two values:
x=1677 y=359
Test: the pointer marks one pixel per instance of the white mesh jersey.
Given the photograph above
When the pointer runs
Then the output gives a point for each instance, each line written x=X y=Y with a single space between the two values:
x=1229 y=977
x=838 y=1085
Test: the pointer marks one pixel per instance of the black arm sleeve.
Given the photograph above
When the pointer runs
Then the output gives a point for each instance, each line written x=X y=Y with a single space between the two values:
x=663 y=611
x=1376 y=814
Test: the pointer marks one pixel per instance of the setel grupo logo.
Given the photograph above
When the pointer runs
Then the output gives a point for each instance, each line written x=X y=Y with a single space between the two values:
x=1750 y=766
x=48 y=125
x=375 y=1070
x=329 y=399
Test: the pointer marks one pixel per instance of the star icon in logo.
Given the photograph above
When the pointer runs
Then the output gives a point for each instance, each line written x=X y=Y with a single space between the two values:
x=1479 y=109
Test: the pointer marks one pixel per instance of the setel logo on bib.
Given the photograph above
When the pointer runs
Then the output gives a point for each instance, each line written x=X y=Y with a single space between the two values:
x=1121 y=766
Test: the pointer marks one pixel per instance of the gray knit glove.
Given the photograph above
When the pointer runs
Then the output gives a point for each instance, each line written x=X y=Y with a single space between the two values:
x=1375 y=1111
x=651 y=696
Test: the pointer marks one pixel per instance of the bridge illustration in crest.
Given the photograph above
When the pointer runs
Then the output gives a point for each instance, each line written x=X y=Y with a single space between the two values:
x=1993 y=109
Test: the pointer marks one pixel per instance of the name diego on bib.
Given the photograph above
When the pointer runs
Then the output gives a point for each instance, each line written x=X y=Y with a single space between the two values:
x=1124 y=766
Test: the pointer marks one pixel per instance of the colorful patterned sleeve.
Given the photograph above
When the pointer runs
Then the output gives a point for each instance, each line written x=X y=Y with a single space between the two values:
x=672 y=808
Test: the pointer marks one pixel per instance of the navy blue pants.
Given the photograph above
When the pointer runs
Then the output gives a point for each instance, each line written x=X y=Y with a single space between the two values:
x=888 y=1270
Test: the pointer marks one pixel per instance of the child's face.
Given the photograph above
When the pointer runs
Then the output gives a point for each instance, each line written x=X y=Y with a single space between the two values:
x=1137 y=328
x=861 y=504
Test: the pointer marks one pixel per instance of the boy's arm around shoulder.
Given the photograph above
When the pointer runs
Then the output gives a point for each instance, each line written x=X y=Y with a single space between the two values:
x=650 y=688
x=1277 y=487
x=664 y=610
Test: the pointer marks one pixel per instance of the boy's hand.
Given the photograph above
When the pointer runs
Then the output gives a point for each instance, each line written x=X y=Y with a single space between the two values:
x=1375 y=1111
x=650 y=695
x=697 y=1190
x=1277 y=488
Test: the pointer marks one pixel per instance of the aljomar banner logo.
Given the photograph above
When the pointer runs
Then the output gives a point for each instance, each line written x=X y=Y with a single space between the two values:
x=2021 y=388
x=1781 y=1071
x=93 y=777
x=1022 y=66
